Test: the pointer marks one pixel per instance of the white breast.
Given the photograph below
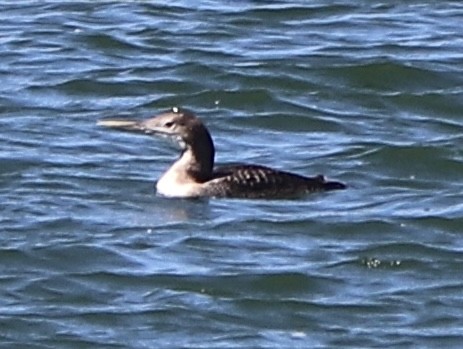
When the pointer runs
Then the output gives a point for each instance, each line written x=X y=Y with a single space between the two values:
x=176 y=182
x=170 y=185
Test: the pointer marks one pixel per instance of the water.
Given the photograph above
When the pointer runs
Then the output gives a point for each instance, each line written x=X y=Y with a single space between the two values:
x=369 y=93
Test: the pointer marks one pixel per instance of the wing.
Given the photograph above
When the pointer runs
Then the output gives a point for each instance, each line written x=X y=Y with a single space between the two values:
x=254 y=181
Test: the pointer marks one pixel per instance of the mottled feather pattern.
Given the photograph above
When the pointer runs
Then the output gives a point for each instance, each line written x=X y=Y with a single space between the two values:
x=254 y=181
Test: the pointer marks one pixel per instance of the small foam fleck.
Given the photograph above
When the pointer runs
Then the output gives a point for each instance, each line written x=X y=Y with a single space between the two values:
x=298 y=334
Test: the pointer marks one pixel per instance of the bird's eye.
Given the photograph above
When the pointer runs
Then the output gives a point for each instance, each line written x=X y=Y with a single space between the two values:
x=169 y=124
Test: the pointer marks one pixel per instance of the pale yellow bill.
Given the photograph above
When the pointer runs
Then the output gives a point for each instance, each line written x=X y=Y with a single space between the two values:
x=116 y=123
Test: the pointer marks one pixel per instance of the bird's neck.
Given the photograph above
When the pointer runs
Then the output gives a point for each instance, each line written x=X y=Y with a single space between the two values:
x=199 y=156
x=194 y=167
x=197 y=160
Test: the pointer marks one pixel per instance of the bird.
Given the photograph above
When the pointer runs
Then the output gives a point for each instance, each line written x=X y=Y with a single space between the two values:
x=193 y=174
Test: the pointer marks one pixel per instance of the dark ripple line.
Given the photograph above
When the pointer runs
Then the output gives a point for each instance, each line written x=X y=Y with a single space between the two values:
x=285 y=283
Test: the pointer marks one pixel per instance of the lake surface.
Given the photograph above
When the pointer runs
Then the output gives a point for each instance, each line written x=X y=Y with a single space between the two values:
x=366 y=92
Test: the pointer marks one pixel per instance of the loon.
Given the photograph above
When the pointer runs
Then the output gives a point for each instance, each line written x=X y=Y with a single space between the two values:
x=193 y=174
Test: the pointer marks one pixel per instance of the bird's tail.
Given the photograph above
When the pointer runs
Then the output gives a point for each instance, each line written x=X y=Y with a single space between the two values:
x=330 y=185
x=334 y=186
